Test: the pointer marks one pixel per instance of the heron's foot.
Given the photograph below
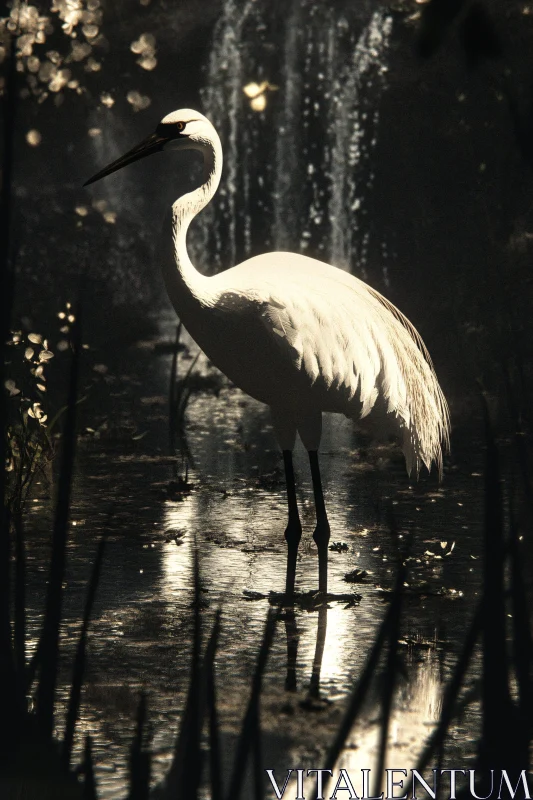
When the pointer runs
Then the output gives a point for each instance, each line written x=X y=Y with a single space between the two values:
x=293 y=534
x=321 y=537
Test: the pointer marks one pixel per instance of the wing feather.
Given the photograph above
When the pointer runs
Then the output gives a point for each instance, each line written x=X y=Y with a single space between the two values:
x=351 y=347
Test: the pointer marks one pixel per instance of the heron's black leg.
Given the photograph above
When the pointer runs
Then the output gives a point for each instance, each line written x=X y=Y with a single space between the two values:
x=293 y=533
x=321 y=534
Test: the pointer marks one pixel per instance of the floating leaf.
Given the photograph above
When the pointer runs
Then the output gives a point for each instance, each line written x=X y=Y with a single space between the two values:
x=29 y=353
x=35 y=338
x=45 y=355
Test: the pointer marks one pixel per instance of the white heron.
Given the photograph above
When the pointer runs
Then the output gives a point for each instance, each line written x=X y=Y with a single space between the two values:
x=301 y=336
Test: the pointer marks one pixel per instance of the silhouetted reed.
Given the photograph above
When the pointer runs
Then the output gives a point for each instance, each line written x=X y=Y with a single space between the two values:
x=215 y=755
x=89 y=783
x=52 y=620
x=185 y=772
x=496 y=702
x=140 y=758
x=9 y=697
x=180 y=390
x=388 y=632
x=251 y=728
x=80 y=657
x=505 y=736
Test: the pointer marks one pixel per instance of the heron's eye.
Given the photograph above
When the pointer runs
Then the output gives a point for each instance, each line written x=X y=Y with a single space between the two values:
x=180 y=125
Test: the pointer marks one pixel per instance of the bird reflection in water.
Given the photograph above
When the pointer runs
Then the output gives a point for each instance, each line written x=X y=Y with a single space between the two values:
x=293 y=638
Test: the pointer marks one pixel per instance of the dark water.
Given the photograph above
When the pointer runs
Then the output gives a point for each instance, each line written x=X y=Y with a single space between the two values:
x=235 y=512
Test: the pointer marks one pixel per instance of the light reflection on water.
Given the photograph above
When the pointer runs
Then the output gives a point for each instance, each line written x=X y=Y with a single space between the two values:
x=414 y=717
x=236 y=512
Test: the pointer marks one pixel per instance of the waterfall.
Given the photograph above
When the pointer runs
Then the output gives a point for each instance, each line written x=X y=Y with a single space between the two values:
x=286 y=197
x=352 y=137
x=223 y=101
x=296 y=174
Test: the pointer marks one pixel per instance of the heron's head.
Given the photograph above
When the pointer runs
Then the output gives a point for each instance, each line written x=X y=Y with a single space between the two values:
x=180 y=130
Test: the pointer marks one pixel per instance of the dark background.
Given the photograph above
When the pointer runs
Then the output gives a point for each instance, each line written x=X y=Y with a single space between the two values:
x=397 y=142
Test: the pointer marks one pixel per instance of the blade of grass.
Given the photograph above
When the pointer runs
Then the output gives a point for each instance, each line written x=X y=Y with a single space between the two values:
x=89 y=783
x=259 y=784
x=451 y=694
x=20 y=612
x=517 y=412
x=20 y=597
x=50 y=636
x=184 y=775
x=8 y=695
x=182 y=397
x=360 y=693
x=391 y=668
x=496 y=701
x=522 y=643
x=79 y=660
x=33 y=666
x=139 y=759
x=251 y=719
x=215 y=768
x=172 y=390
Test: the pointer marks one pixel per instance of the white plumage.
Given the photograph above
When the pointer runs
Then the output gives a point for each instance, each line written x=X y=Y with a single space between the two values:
x=316 y=338
x=299 y=335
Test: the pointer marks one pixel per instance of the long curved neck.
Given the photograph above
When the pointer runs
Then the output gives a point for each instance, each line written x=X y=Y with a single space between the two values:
x=186 y=286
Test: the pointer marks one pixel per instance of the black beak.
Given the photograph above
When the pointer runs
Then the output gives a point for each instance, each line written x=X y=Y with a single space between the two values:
x=152 y=144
